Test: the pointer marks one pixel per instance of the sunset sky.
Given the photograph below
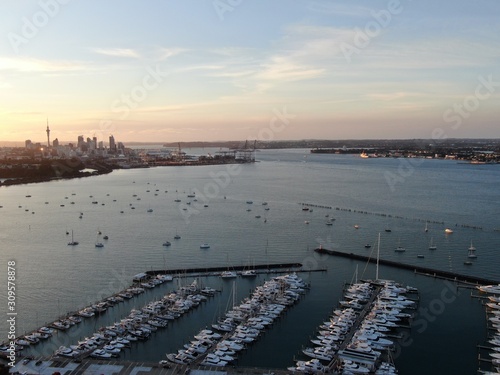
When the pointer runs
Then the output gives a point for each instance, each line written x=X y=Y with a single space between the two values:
x=188 y=70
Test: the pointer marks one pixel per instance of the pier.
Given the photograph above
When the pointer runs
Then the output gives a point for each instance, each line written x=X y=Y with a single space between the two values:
x=334 y=364
x=446 y=275
x=211 y=271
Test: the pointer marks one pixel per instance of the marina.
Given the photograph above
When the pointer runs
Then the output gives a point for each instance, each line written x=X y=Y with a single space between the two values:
x=240 y=326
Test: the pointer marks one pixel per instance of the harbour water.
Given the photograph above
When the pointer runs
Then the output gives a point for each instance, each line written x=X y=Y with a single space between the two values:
x=373 y=194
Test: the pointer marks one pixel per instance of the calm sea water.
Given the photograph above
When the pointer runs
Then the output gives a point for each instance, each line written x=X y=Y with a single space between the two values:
x=375 y=194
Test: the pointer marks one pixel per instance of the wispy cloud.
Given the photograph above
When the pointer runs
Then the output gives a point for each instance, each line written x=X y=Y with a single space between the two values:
x=286 y=69
x=117 y=52
x=31 y=65
x=166 y=53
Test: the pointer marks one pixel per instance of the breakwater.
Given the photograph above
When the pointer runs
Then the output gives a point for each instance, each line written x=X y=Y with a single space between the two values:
x=417 y=269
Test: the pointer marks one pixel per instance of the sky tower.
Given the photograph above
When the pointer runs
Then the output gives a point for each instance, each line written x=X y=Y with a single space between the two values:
x=48 y=134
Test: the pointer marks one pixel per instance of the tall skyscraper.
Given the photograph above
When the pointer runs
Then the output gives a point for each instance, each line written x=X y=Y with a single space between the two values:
x=48 y=134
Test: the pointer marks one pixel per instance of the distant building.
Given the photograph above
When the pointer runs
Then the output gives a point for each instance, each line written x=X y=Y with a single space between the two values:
x=81 y=142
x=55 y=143
x=28 y=144
x=112 y=144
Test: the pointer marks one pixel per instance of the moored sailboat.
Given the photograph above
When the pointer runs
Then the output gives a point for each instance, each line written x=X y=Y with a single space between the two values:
x=73 y=242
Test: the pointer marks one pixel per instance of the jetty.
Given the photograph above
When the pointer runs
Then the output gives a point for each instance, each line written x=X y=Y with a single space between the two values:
x=426 y=271
x=213 y=271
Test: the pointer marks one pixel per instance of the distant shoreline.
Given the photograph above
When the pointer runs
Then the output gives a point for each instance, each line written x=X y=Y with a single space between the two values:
x=12 y=181
x=308 y=143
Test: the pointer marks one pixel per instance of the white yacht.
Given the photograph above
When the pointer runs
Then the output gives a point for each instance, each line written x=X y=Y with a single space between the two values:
x=492 y=289
x=228 y=274
x=248 y=273
x=213 y=360
x=205 y=246
x=67 y=352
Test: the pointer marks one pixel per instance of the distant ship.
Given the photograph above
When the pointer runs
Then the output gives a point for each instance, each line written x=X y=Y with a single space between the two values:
x=364 y=155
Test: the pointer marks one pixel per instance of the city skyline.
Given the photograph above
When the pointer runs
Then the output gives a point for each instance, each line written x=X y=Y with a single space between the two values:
x=220 y=70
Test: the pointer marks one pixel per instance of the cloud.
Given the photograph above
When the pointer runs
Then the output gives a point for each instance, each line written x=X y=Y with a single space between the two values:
x=166 y=53
x=284 y=68
x=31 y=65
x=117 y=52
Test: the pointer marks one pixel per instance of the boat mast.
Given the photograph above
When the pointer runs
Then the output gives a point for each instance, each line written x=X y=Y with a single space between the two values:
x=378 y=256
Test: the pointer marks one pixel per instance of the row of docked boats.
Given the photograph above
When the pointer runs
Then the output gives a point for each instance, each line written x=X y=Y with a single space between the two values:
x=139 y=325
x=493 y=315
x=242 y=324
x=358 y=337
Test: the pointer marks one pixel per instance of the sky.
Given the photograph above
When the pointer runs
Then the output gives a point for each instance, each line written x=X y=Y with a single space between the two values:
x=215 y=70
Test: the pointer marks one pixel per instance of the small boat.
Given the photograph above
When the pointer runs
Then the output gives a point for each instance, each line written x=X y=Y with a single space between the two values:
x=177 y=237
x=305 y=208
x=472 y=247
x=105 y=238
x=472 y=250
x=204 y=246
x=400 y=248
x=73 y=242
x=467 y=262
x=101 y=354
x=492 y=289
x=426 y=229
x=99 y=244
x=67 y=352
x=150 y=210
x=388 y=230
x=367 y=246
x=356 y=226
x=228 y=274
x=166 y=243
x=431 y=246
x=249 y=273
x=420 y=256
x=448 y=231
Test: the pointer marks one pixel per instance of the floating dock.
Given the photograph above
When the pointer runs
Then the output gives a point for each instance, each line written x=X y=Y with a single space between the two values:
x=447 y=275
